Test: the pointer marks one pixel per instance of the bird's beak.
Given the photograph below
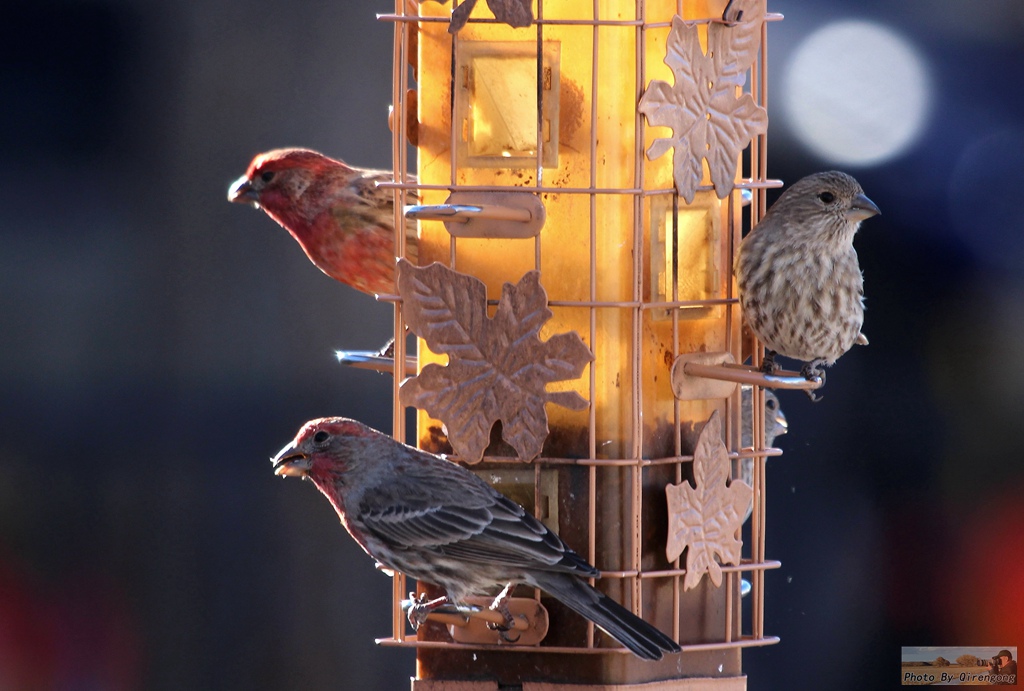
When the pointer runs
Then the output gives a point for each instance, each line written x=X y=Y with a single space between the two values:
x=781 y=423
x=291 y=461
x=242 y=192
x=862 y=208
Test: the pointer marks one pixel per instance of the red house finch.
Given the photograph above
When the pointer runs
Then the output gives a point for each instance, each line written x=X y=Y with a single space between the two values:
x=434 y=520
x=800 y=285
x=343 y=221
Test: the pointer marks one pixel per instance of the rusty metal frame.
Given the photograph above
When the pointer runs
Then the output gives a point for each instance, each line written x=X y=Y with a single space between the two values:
x=755 y=564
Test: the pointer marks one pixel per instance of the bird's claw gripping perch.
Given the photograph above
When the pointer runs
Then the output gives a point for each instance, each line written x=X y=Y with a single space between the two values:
x=420 y=608
x=500 y=605
x=504 y=630
x=813 y=370
x=768 y=364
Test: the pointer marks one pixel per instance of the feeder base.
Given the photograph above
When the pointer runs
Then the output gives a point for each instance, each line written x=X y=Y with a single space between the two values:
x=689 y=684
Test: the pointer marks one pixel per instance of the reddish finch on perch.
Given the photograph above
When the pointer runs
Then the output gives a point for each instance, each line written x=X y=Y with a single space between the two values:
x=800 y=285
x=436 y=521
x=343 y=221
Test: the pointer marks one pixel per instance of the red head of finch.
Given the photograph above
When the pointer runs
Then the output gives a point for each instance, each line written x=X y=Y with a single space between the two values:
x=343 y=221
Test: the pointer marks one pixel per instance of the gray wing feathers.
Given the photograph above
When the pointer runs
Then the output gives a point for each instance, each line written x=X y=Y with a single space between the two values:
x=477 y=524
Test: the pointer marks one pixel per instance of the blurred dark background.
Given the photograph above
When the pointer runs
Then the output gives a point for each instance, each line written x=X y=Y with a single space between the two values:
x=159 y=344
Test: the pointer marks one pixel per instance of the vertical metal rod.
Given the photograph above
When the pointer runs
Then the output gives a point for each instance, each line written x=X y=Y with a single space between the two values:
x=537 y=513
x=540 y=169
x=763 y=91
x=730 y=586
x=677 y=422
x=540 y=115
x=456 y=133
x=592 y=415
x=636 y=404
x=758 y=207
x=399 y=81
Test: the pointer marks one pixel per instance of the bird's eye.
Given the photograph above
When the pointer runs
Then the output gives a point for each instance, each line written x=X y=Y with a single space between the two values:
x=827 y=197
x=321 y=437
x=267 y=176
x=769 y=404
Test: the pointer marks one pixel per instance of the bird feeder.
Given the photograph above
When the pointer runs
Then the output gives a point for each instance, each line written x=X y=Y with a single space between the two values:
x=586 y=170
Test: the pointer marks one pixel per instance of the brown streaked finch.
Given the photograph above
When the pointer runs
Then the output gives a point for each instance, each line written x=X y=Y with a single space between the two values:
x=775 y=424
x=800 y=285
x=435 y=521
x=343 y=221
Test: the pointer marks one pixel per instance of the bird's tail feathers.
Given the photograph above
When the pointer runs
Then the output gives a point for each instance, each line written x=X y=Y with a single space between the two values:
x=642 y=638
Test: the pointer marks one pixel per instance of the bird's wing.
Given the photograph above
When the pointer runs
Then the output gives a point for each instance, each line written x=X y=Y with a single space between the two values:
x=368 y=192
x=478 y=524
x=371 y=200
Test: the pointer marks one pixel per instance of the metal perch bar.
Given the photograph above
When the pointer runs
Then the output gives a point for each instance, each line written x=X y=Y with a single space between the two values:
x=456 y=615
x=367 y=359
x=742 y=184
x=745 y=641
x=508 y=214
x=745 y=374
x=463 y=213
x=414 y=18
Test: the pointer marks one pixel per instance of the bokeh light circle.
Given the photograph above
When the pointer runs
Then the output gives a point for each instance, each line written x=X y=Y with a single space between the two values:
x=856 y=92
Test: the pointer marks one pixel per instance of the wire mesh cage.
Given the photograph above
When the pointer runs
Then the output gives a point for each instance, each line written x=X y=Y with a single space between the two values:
x=533 y=155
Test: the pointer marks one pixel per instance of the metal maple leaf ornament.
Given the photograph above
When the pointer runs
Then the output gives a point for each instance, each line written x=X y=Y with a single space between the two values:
x=704 y=519
x=708 y=119
x=498 y=367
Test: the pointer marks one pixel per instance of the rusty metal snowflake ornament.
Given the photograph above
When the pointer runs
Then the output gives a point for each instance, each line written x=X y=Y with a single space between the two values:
x=704 y=520
x=498 y=367
x=707 y=118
